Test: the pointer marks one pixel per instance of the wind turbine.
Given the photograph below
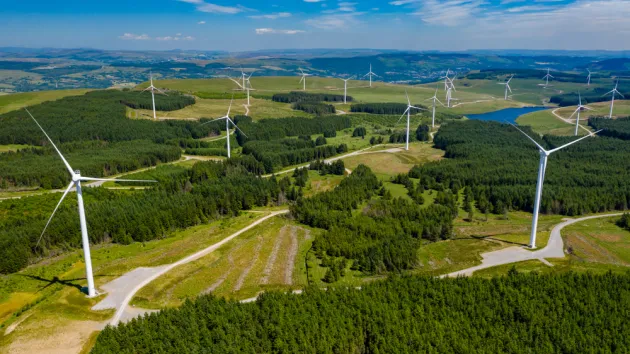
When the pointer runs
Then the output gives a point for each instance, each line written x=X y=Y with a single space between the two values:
x=547 y=77
x=507 y=86
x=612 y=103
x=446 y=79
x=408 y=113
x=345 y=88
x=370 y=74
x=542 y=167
x=588 y=78
x=76 y=183
x=434 y=99
x=153 y=89
x=449 y=91
x=228 y=120
x=303 y=79
x=579 y=108
x=248 y=86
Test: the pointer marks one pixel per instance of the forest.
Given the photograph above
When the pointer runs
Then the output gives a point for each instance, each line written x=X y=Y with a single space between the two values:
x=518 y=313
x=598 y=94
x=384 y=236
x=293 y=97
x=615 y=128
x=496 y=74
x=501 y=167
x=274 y=129
x=142 y=100
x=316 y=108
x=383 y=108
x=37 y=167
x=97 y=115
x=208 y=191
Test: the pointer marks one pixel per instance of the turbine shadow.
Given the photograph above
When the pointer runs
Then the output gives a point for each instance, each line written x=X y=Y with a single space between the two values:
x=56 y=280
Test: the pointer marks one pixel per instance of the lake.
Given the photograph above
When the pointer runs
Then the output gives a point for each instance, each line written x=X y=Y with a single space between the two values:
x=506 y=115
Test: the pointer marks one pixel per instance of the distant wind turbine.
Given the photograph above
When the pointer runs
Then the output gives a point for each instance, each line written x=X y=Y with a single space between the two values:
x=76 y=183
x=446 y=79
x=345 y=88
x=434 y=99
x=542 y=167
x=507 y=86
x=228 y=120
x=578 y=110
x=370 y=74
x=408 y=113
x=588 y=78
x=248 y=87
x=303 y=79
x=612 y=103
x=547 y=77
x=449 y=91
x=153 y=89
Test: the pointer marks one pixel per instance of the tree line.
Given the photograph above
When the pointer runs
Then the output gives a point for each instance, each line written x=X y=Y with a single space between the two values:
x=295 y=96
x=500 y=165
x=383 y=108
x=615 y=128
x=274 y=129
x=316 y=108
x=142 y=100
x=598 y=94
x=519 y=313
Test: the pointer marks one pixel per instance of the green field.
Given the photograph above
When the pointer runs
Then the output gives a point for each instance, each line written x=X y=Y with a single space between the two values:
x=20 y=100
x=544 y=122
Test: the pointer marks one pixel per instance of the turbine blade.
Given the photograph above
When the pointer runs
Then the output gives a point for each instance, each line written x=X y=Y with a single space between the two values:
x=54 y=211
x=418 y=108
x=236 y=126
x=408 y=101
x=574 y=112
x=401 y=117
x=230 y=108
x=53 y=144
x=573 y=142
x=160 y=91
x=92 y=179
x=509 y=88
x=236 y=82
x=529 y=137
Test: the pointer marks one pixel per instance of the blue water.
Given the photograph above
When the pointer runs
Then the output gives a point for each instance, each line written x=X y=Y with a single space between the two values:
x=505 y=115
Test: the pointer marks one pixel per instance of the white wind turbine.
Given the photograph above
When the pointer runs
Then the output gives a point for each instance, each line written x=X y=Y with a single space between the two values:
x=507 y=86
x=578 y=110
x=588 y=78
x=345 y=88
x=228 y=120
x=547 y=77
x=303 y=79
x=76 y=183
x=612 y=103
x=408 y=113
x=248 y=86
x=542 y=167
x=153 y=89
x=449 y=91
x=434 y=99
x=446 y=80
x=370 y=74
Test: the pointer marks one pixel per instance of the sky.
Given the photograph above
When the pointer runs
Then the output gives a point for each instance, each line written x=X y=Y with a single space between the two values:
x=244 y=25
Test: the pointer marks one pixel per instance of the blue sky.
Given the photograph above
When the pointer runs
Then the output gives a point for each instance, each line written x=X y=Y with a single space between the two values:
x=251 y=25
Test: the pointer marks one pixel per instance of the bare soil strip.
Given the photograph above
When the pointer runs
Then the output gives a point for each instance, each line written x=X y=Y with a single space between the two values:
x=288 y=271
x=272 y=257
x=245 y=273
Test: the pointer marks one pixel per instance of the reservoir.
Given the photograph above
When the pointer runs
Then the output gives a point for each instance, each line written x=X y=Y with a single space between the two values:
x=505 y=115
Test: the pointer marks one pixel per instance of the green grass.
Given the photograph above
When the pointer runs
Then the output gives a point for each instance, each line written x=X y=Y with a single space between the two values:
x=318 y=183
x=20 y=100
x=598 y=241
x=545 y=123
x=13 y=147
x=559 y=266
x=240 y=269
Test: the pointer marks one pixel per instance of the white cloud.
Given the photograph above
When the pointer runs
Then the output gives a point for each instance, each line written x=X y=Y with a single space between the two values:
x=177 y=37
x=402 y=2
x=313 y=0
x=449 y=13
x=201 y=22
x=134 y=37
x=335 y=21
x=273 y=16
x=214 y=8
x=276 y=31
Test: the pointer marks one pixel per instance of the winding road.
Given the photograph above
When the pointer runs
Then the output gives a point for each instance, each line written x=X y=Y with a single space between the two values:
x=121 y=290
x=568 y=121
x=554 y=249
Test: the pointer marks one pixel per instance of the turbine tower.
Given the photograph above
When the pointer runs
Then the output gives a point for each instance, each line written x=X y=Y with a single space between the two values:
x=542 y=167
x=588 y=78
x=370 y=74
x=434 y=99
x=153 y=89
x=449 y=91
x=408 y=113
x=612 y=103
x=547 y=77
x=345 y=88
x=446 y=79
x=228 y=120
x=579 y=108
x=303 y=79
x=507 y=86
x=248 y=87
x=76 y=183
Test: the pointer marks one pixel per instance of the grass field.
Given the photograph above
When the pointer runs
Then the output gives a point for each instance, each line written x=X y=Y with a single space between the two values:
x=260 y=259
x=544 y=122
x=13 y=147
x=20 y=100
x=598 y=241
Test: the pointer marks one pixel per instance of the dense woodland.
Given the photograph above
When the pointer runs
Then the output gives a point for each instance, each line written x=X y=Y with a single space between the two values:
x=42 y=167
x=142 y=100
x=316 y=108
x=519 y=313
x=97 y=115
x=274 y=129
x=295 y=96
x=598 y=94
x=615 y=128
x=383 y=108
x=387 y=233
x=208 y=191
x=501 y=167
